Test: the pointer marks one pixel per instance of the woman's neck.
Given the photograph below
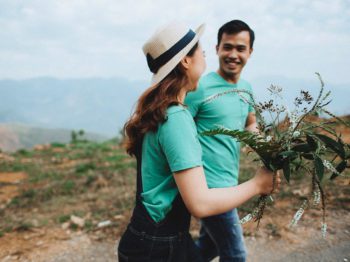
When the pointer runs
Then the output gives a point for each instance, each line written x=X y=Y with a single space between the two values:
x=182 y=95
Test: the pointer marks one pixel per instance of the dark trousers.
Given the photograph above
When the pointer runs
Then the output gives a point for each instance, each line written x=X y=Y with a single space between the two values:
x=221 y=235
x=169 y=240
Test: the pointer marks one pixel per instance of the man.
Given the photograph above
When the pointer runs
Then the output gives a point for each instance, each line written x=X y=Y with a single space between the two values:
x=222 y=234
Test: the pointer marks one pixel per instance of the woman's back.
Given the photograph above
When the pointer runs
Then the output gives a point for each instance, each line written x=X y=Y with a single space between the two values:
x=173 y=147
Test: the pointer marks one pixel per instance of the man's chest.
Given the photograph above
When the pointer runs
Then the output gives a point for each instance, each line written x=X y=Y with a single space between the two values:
x=228 y=110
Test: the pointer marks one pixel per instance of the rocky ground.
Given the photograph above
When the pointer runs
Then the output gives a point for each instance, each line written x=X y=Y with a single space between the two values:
x=54 y=198
x=302 y=243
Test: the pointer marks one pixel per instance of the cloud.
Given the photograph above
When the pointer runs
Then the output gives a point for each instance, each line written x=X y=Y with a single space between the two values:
x=104 y=37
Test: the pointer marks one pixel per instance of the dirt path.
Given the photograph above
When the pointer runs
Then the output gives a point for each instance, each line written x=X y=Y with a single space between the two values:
x=303 y=243
x=82 y=249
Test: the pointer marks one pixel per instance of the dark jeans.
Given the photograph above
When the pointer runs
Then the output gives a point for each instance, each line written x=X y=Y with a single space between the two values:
x=137 y=246
x=221 y=235
x=145 y=240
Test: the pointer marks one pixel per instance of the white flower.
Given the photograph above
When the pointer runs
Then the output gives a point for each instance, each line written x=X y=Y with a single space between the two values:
x=317 y=197
x=268 y=138
x=298 y=214
x=275 y=90
x=296 y=134
x=329 y=166
x=293 y=120
x=246 y=219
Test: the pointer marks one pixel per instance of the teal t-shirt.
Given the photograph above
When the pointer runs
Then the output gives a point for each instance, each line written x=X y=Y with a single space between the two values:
x=173 y=147
x=220 y=153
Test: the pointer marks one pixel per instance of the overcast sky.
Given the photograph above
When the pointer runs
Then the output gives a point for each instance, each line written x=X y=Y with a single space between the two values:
x=103 y=38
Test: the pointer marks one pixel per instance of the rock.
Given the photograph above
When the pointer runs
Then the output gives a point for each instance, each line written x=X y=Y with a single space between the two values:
x=35 y=223
x=80 y=222
x=65 y=225
x=118 y=217
x=104 y=224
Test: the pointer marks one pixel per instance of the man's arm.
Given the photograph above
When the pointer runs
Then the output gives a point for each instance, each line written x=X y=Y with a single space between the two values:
x=250 y=124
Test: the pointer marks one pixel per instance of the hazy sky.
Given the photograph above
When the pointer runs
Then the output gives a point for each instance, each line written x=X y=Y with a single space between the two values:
x=103 y=38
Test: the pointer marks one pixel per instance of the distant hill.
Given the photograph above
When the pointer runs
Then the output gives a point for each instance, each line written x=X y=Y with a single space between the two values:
x=95 y=105
x=15 y=136
x=101 y=105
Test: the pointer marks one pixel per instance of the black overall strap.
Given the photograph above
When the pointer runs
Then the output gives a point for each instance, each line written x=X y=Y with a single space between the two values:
x=139 y=177
x=177 y=220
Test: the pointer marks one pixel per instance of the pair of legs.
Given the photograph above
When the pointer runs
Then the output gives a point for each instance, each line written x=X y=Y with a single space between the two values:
x=222 y=235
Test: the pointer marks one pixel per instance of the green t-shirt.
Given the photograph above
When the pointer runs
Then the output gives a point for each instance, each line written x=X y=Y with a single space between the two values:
x=220 y=153
x=173 y=147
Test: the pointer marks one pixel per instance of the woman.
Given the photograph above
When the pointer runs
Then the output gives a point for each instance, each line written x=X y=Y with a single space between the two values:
x=162 y=135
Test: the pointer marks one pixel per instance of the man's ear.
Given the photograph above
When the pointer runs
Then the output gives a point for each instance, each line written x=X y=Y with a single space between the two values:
x=185 y=62
x=217 y=49
x=251 y=51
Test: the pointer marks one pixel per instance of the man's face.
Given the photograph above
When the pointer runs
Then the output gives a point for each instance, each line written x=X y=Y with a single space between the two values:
x=233 y=52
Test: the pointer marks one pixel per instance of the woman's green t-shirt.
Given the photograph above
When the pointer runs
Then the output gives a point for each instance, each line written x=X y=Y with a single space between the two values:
x=173 y=147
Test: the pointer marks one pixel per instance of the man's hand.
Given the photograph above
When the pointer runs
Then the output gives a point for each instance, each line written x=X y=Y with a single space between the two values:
x=250 y=124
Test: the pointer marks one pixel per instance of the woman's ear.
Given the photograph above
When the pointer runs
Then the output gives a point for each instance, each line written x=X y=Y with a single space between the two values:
x=185 y=62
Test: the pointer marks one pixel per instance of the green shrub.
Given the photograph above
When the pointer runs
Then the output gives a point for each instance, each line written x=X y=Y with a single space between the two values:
x=56 y=144
x=29 y=193
x=68 y=186
x=25 y=226
x=83 y=168
x=63 y=218
x=23 y=152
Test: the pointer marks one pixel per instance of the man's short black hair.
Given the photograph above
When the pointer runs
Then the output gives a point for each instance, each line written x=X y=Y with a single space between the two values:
x=235 y=27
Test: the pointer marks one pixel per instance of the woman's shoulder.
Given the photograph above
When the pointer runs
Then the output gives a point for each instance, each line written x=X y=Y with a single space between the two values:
x=177 y=110
x=178 y=114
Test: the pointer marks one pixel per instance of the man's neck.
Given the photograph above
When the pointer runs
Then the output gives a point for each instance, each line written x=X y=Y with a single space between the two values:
x=231 y=79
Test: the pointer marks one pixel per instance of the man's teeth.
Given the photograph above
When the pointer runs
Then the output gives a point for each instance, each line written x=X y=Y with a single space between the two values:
x=232 y=62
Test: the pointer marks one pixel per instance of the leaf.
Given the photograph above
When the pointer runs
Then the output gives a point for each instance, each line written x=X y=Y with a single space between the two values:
x=288 y=154
x=305 y=148
x=332 y=144
x=319 y=167
x=311 y=142
x=308 y=156
x=251 y=139
x=340 y=168
x=298 y=164
x=286 y=170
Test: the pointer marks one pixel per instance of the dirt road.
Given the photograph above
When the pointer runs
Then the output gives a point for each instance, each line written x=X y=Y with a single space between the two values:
x=303 y=243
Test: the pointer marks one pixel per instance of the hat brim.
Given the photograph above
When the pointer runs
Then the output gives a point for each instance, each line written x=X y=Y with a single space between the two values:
x=172 y=63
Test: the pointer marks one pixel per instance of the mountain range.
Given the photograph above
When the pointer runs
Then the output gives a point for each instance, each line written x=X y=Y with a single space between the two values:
x=102 y=106
x=95 y=105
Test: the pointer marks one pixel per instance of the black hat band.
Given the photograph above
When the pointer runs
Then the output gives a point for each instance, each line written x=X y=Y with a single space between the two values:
x=155 y=64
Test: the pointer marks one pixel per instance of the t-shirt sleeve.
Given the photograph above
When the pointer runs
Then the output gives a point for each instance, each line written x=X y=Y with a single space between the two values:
x=194 y=100
x=179 y=142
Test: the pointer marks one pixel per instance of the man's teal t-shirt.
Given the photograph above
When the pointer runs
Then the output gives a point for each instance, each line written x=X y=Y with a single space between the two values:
x=220 y=153
x=173 y=147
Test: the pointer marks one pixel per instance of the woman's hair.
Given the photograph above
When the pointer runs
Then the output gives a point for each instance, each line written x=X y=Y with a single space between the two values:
x=152 y=105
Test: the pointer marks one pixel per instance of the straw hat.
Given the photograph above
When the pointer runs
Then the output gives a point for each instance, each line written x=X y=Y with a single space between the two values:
x=168 y=45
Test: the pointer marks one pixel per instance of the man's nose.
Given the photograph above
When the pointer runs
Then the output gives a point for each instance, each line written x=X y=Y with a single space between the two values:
x=233 y=54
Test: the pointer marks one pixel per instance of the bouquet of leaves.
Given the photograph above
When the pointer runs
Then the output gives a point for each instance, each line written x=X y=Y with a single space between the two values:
x=291 y=142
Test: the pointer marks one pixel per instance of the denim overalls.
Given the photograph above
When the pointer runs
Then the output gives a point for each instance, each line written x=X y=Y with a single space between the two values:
x=167 y=240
